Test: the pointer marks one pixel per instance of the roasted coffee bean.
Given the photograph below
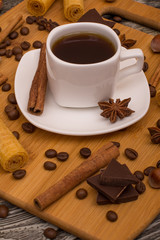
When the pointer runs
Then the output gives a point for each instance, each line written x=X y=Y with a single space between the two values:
x=41 y=27
x=148 y=170
x=158 y=164
x=7 y=42
x=16 y=134
x=140 y=187
x=11 y=98
x=0 y=29
x=24 y=31
x=117 y=144
x=3 y=45
x=28 y=127
x=117 y=19
x=37 y=44
x=30 y=19
x=13 y=35
x=19 y=174
x=51 y=153
x=18 y=57
x=25 y=45
x=62 y=156
x=158 y=123
x=9 y=53
x=9 y=108
x=81 y=193
x=85 y=152
x=116 y=31
x=16 y=50
x=6 y=87
x=13 y=115
x=2 y=52
x=48 y=165
x=145 y=66
x=139 y=175
x=50 y=233
x=3 y=211
x=131 y=153
x=152 y=91
x=112 y=216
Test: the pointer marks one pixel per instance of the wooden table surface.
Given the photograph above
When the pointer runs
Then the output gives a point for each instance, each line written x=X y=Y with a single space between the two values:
x=21 y=225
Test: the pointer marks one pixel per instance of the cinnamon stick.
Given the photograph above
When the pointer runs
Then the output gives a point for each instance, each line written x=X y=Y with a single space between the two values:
x=155 y=77
x=39 y=84
x=93 y=164
x=10 y=26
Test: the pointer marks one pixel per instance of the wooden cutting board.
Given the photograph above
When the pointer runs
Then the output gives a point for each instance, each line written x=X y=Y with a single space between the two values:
x=85 y=218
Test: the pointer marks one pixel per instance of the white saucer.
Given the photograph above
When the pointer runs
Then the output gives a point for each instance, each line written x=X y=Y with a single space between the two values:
x=79 y=122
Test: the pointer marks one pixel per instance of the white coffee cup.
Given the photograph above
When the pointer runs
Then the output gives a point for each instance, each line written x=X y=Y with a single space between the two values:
x=84 y=85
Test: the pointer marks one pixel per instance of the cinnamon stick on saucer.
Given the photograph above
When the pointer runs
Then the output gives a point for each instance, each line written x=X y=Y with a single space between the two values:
x=90 y=166
x=39 y=84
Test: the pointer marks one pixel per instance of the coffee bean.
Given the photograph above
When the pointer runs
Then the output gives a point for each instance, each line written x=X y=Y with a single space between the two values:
x=41 y=27
x=7 y=42
x=37 y=44
x=152 y=91
x=50 y=233
x=16 y=134
x=62 y=156
x=158 y=123
x=81 y=193
x=30 y=19
x=6 y=87
x=25 y=45
x=139 y=175
x=11 y=98
x=0 y=29
x=18 y=57
x=24 y=30
x=140 y=187
x=117 y=144
x=116 y=31
x=148 y=170
x=2 y=52
x=131 y=153
x=85 y=152
x=28 y=127
x=9 y=108
x=19 y=174
x=158 y=164
x=13 y=35
x=112 y=216
x=117 y=19
x=145 y=66
x=13 y=115
x=9 y=53
x=3 y=211
x=48 y=165
x=16 y=50
x=51 y=153
x=2 y=45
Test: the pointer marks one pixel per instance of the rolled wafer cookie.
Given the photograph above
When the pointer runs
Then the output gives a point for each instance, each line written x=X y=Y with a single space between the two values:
x=38 y=7
x=73 y=9
x=12 y=155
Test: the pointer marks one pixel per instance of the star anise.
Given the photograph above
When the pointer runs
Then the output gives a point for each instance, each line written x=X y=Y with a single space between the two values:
x=155 y=134
x=112 y=109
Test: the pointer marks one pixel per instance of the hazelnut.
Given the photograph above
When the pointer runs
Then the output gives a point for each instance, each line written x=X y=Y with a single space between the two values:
x=154 y=178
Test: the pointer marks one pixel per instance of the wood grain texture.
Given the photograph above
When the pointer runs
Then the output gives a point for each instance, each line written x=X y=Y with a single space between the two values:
x=65 y=211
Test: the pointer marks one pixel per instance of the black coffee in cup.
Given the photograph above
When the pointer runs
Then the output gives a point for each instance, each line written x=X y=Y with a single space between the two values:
x=83 y=48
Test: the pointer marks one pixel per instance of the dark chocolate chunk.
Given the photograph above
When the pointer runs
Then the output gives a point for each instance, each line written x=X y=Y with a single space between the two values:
x=62 y=156
x=93 y=16
x=51 y=153
x=85 y=152
x=112 y=193
x=117 y=175
x=28 y=127
x=50 y=233
x=19 y=174
x=81 y=193
x=48 y=165
x=3 y=211
x=112 y=216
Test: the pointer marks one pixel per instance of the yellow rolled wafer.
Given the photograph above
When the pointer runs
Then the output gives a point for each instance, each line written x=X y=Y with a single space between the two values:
x=12 y=155
x=73 y=9
x=38 y=7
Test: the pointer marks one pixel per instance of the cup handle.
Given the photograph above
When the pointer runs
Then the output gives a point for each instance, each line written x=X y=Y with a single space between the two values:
x=135 y=53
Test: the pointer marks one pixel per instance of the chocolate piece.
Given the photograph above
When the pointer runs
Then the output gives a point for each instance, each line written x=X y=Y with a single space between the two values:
x=81 y=193
x=62 y=156
x=85 y=152
x=128 y=195
x=3 y=211
x=93 y=16
x=112 y=193
x=117 y=175
x=50 y=233
x=19 y=174
x=48 y=165
x=112 y=216
x=51 y=153
x=28 y=127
